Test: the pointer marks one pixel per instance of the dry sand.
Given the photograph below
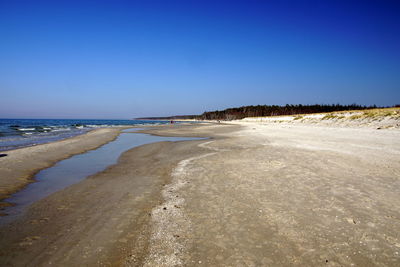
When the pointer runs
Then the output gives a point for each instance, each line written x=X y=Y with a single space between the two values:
x=254 y=195
x=379 y=118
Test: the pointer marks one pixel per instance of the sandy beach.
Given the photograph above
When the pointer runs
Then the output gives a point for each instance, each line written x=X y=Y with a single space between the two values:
x=253 y=194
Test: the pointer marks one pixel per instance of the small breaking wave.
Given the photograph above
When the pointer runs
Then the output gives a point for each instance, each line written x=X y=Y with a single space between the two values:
x=15 y=133
x=26 y=129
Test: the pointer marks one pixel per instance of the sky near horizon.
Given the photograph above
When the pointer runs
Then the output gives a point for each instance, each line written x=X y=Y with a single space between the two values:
x=126 y=59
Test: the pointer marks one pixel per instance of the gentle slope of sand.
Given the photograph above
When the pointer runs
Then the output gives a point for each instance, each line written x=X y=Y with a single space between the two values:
x=254 y=195
x=273 y=195
x=384 y=118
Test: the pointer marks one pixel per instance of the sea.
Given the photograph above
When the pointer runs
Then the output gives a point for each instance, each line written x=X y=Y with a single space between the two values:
x=17 y=133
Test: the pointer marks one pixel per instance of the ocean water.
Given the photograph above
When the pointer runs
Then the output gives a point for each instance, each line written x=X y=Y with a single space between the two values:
x=16 y=133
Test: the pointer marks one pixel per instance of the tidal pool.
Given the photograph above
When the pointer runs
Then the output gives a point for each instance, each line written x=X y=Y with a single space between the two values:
x=76 y=168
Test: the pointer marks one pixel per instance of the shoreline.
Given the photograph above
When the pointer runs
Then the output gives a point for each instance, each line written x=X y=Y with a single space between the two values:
x=55 y=217
x=19 y=166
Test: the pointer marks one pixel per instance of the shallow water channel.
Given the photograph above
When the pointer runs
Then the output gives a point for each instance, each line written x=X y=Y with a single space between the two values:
x=76 y=168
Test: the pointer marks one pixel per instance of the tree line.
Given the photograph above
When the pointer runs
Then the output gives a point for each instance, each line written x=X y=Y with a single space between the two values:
x=263 y=111
x=275 y=110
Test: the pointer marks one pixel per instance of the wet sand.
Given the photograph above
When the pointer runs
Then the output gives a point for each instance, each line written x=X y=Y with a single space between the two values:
x=19 y=166
x=253 y=195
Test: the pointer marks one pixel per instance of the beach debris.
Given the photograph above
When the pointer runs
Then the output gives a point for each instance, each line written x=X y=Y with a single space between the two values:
x=164 y=208
x=3 y=155
x=28 y=241
x=351 y=220
x=45 y=219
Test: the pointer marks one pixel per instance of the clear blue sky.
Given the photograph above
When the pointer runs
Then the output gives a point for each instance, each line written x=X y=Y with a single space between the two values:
x=124 y=59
